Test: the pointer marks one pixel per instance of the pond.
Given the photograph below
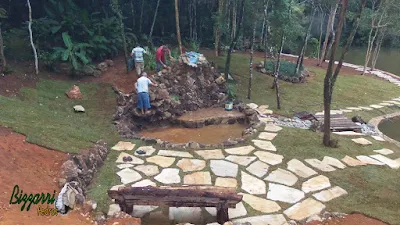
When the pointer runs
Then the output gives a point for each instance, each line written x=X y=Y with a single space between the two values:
x=391 y=128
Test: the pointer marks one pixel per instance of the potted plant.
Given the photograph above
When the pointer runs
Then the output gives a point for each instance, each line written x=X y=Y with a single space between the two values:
x=231 y=97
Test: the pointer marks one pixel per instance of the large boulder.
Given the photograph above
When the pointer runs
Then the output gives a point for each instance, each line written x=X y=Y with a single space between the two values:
x=74 y=93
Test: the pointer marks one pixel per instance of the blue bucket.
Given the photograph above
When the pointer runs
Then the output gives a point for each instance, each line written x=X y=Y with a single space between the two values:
x=229 y=106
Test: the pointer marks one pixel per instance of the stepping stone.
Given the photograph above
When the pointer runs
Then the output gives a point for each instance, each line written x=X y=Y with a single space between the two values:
x=79 y=108
x=128 y=176
x=384 y=151
x=267 y=136
x=362 y=141
x=348 y=133
x=226 y=182
x=315 y=184
x=181 y=154
x=393 y=102
x=245 y=150
x=277 y=219
x=260 y=204
x=378 y=138
x=144 y=183
x=211 y=154
x=135 y=160
x=264 y=111
x=241 y=160
x=200 y=178
x=253 y=185
x=258 y=169
x=148 y=150
x=169 y=176
x=282 y=176
x=265 y=119
x=390 y=162
x=354 y=108
x=123 y=166
x=376 y=106
x=300 y=169
x=264 y=145
x=366 y=108
x=346 y=110
x=113 y=209
x=270 y=158
x=327 y=195
x=252 y=105
x=223 y=168
x=239 y=211
x=148 y=170
x=352 y=162
x=272 y=128
x=283 y=193
x=320 y=165
x=368 y=160
x=304 y=209
x=188 y=165
x=116 y=187
x=385 y=104
x=161 y=160
x=186 y=214
x=333 y=162
x=140 y=210
x=123 y=146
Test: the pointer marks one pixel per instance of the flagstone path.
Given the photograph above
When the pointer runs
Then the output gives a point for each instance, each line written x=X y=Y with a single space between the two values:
x=258 y=172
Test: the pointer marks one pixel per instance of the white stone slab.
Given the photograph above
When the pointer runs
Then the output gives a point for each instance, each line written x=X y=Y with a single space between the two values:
x=253 y=185
x=135 y=160
x=239 y=211
x=277 y=219
x=304 y=209
x=368 y=160
x=144 y=183
x=244 y=150
x=270 y=158
x=264 y=111
x=332 y=193
x=366 y=108
x=282 y=176
x=188 y=165
x=161 y=160
x=315 y=184
x=241 y=160
x=128 y=176
x=384 y=151
x=354 y=108
x=352 y=162
x=265 y=119
x=171 y=153
x=211 y=154
x=185 y=214
x=123 y=146
x=169 y=176
x=378 y=138
x=148 y=170
x=258 y=169
x=264 y=145
x=149 y=150
x=385 y=104
x=333 y=162
x=300 y=169
x=283 y=193
x=320 y=165
x=113 y=209
x=346 y=110
x=267 y=136
x=362 y=141
x=252 y=105
x=116 y=187
x=226 y=182
x=123 y=166
x=348 y=133
x=223 y=168
x=198 y=178
x=140 y=210
x=272 y=128
x=261 y=204
x=376 y=106
x=390 y=162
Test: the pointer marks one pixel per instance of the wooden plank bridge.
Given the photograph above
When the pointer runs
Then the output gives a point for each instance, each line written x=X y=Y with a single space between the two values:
x=340 y=123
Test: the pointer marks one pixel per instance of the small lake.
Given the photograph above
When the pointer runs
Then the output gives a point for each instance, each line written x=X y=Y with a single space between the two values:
x=391 y=128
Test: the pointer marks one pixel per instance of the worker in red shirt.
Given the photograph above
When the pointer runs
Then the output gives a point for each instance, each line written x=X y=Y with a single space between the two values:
x=160 y=57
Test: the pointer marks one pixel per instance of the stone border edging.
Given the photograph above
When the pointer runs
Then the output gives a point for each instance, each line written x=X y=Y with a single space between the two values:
x=376 y=121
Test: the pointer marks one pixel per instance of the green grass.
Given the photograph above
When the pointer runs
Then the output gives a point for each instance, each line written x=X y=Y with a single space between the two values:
x=349 y=90
x=46 y=116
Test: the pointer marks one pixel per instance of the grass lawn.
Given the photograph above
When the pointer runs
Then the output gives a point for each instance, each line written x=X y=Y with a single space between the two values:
x=349 y=90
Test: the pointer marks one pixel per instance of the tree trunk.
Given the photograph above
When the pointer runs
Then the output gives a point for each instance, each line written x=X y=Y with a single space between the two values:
x=195 y=21
x=234 y=19
x=251 y=60
x=276 y=75
x=117 y=10
x=377 y=49
x=332 y=39
x=331 y=22
x=265 y=38
x=234 y=40
x=154 y=20
x=304 y=47
x=3 y=58
x=320 y=34
x=178 y=30
x=218 y=25
x=141 y=17
x=133 y=15
x=31 y=38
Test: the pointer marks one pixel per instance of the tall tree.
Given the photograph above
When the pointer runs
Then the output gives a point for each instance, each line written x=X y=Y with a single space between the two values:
x=265 y=38
x=133 y=14
x=251 y=59
x=117 y=10
x=218 y=24
x=3 y=14
x=300 y=59
x=154 y=20
x=322 y=19
x=178 y=30
x=276 y=72
x=329 y=31
x=31 y=38
x=331 y=73
x=235 y=39
x=141 y=17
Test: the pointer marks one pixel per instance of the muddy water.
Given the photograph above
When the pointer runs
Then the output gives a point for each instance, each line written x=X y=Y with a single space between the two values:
x=391 y=128
x=213 y=134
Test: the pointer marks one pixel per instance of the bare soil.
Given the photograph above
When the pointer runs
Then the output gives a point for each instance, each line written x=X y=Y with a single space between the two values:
x=352 y=219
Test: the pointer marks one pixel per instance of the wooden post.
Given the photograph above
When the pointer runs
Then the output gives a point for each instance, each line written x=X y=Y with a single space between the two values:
x=222 y=213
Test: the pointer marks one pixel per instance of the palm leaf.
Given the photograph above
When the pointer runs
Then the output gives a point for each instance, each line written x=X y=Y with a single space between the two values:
x=65 y=55
x=82 y=57
x=67 y=40
x=75 y=63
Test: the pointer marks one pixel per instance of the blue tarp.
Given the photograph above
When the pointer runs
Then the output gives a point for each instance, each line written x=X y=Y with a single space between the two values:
x=193 y=58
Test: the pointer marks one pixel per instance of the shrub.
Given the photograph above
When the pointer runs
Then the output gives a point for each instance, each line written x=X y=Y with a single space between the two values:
x=287 y=69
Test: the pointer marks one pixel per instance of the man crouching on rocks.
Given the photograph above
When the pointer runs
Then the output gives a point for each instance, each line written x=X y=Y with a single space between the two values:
x=142 y=88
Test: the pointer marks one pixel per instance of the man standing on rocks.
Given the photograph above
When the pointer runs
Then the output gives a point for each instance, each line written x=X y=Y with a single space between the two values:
x=160 y=57
x=137 y=53
x=143 y=97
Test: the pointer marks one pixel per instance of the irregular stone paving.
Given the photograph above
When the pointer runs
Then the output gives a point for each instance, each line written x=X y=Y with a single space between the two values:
x=264 y=145
x=320 y=165
x=368 y=160
x=226 y=182
x=352 y=162
x=245 y=150
x=239 y=211
x=261 y=204
x=378 y=138
x=123 y=146
x=198 y=178
x=241 y=160
x=366 y=108
x=168 y=176
x=211 y=154
x=272 y=128
x=333 y=162
x=135 y=160
x=161 y=160
x=270 y=158
x=300 y=169
x=376 y=106
x=128 y=176
x=362 y=141
x=181 y=154
x=252 y=184
x=278 y=219
x=315 y=184
x=267 y=136
x=223 y=168
x=304 y=209
x=149 y=150
x=258 y=168
x=283 y=193
x=327 y=195
x=148 y=170
x=390 y=162
x=282 y=176
x=144 y=183
x=123 y=166
x=384 y=151
x=185 y=214
x=188 y=165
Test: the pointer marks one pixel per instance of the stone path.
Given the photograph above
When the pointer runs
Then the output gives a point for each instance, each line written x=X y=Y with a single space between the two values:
x=278 y=189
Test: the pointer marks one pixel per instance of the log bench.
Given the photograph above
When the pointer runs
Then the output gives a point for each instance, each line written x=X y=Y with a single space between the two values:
x=187 y=196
